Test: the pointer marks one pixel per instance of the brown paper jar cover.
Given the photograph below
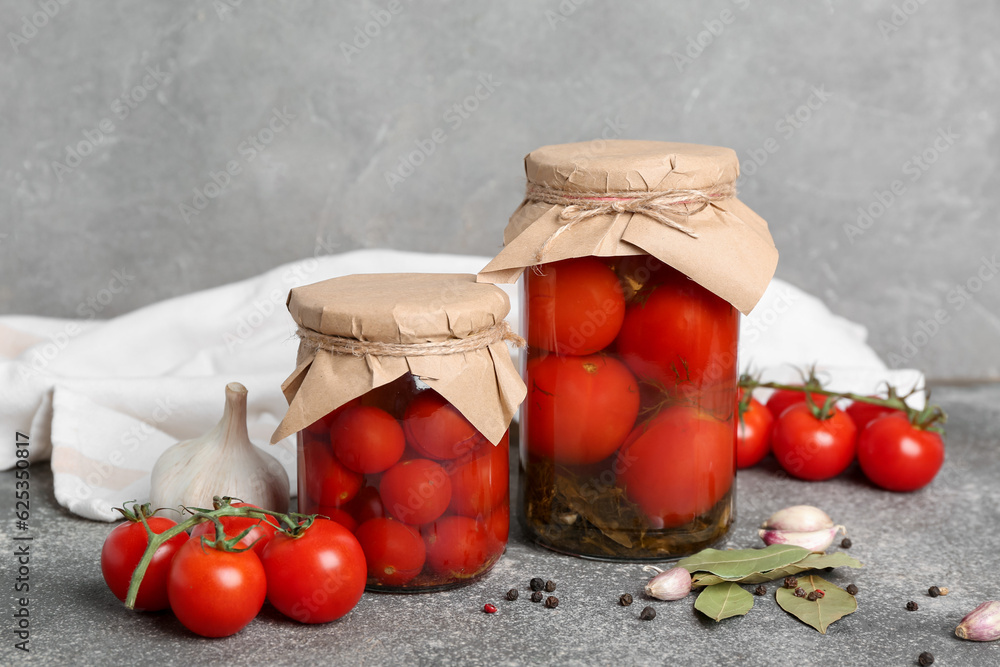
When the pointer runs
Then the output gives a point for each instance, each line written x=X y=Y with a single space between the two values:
x=732 y=255
x=403 y=309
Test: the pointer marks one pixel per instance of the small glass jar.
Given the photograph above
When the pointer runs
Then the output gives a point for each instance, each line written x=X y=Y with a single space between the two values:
x=628 y=430
x=425 y=493
x=637 y=260
x=401 y=402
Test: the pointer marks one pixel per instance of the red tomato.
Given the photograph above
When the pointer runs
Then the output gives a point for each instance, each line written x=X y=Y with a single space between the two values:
x=579 y=409
x=367 y=440
x=328 y=481
x=317 y=576
x=123 y=549
x=678 y=465
x=366 y=505
x=782 y=399
x=498 y=523
x=395 y=552
x=863 y=414
x=215 y=593
x=260 y=534
x=680 y=332
x=415 y=491
x=811 y=449
x=753 y=434
x=458 y=547
x=437 y=429
x=322 y=427
x=898 y=456
x=341 y=516
x=575 y=306
x=479 y=482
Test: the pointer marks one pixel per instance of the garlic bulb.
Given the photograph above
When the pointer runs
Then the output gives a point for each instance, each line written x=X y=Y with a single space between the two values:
x=223 y=462
x=799 y=518
x=814 y=540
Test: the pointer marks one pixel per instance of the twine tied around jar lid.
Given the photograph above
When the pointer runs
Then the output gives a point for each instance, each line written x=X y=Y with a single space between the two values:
x=670 y=208
x=477 y=340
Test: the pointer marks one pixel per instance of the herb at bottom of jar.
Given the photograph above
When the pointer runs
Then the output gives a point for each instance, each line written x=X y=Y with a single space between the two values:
x=580 y=514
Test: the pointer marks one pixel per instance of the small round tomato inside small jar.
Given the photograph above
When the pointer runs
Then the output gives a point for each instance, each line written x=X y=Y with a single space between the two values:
x=421 y=488
x=401 y=401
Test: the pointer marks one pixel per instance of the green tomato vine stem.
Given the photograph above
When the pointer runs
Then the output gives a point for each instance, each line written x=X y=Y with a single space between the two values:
x=930 y=418
x=288 y=525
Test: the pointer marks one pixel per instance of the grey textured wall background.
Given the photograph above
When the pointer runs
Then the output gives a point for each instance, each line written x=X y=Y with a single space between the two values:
x=828 y=103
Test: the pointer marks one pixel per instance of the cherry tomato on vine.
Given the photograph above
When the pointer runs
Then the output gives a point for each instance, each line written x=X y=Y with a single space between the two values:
x=782 y=399
x=317 y=576
x=811 y=449
x=415 y=491
x=458 y=546
x=863 y=414
x=678 y=465
x=679 y=332
x=898 y=456
x=215 y=593
x=753 y=434
x=123 y=549
x=435 y=428
x=579 y=409
x=260 y=534
x=367 y=440
x=575 y=306
x=395 y=553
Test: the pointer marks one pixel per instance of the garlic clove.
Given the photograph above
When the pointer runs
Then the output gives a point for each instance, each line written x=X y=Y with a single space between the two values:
x=982 y=624
x=799 y=518
x=815 y=540
x=222 y=462
x=672 y=584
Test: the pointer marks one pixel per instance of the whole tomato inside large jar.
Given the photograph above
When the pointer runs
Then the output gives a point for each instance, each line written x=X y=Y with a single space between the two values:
x=417 y=467
x=638 y=261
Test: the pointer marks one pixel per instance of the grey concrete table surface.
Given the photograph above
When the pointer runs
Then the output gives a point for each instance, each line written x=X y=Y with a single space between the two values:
x=944 y=535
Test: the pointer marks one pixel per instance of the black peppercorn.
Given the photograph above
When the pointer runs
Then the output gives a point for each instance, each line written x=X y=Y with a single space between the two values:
x=647 y=614
x=537 y=596
x=550 y=586
x=813 y=596
x=760 y=590
x=512 y=594
x=912 y=606
x=852 y=589
x=925 y=658
x=625 y=599
x=799 y=593
x=791 y=582
x=934 y=591
x=846 y=543
x=552 y=602
x=536 y=584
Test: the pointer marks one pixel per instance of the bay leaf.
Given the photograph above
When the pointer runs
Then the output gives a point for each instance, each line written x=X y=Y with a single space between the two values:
x=834 y=605
x=813 y=561
x=736 y=563
x=724 y=600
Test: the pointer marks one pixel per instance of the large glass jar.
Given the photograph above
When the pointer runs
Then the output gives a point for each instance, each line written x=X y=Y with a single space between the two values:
x=628 y=430
x=401 y=401
x=637 y=260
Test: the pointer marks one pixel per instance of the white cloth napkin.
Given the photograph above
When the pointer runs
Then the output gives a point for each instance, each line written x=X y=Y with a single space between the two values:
x=103 y=399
